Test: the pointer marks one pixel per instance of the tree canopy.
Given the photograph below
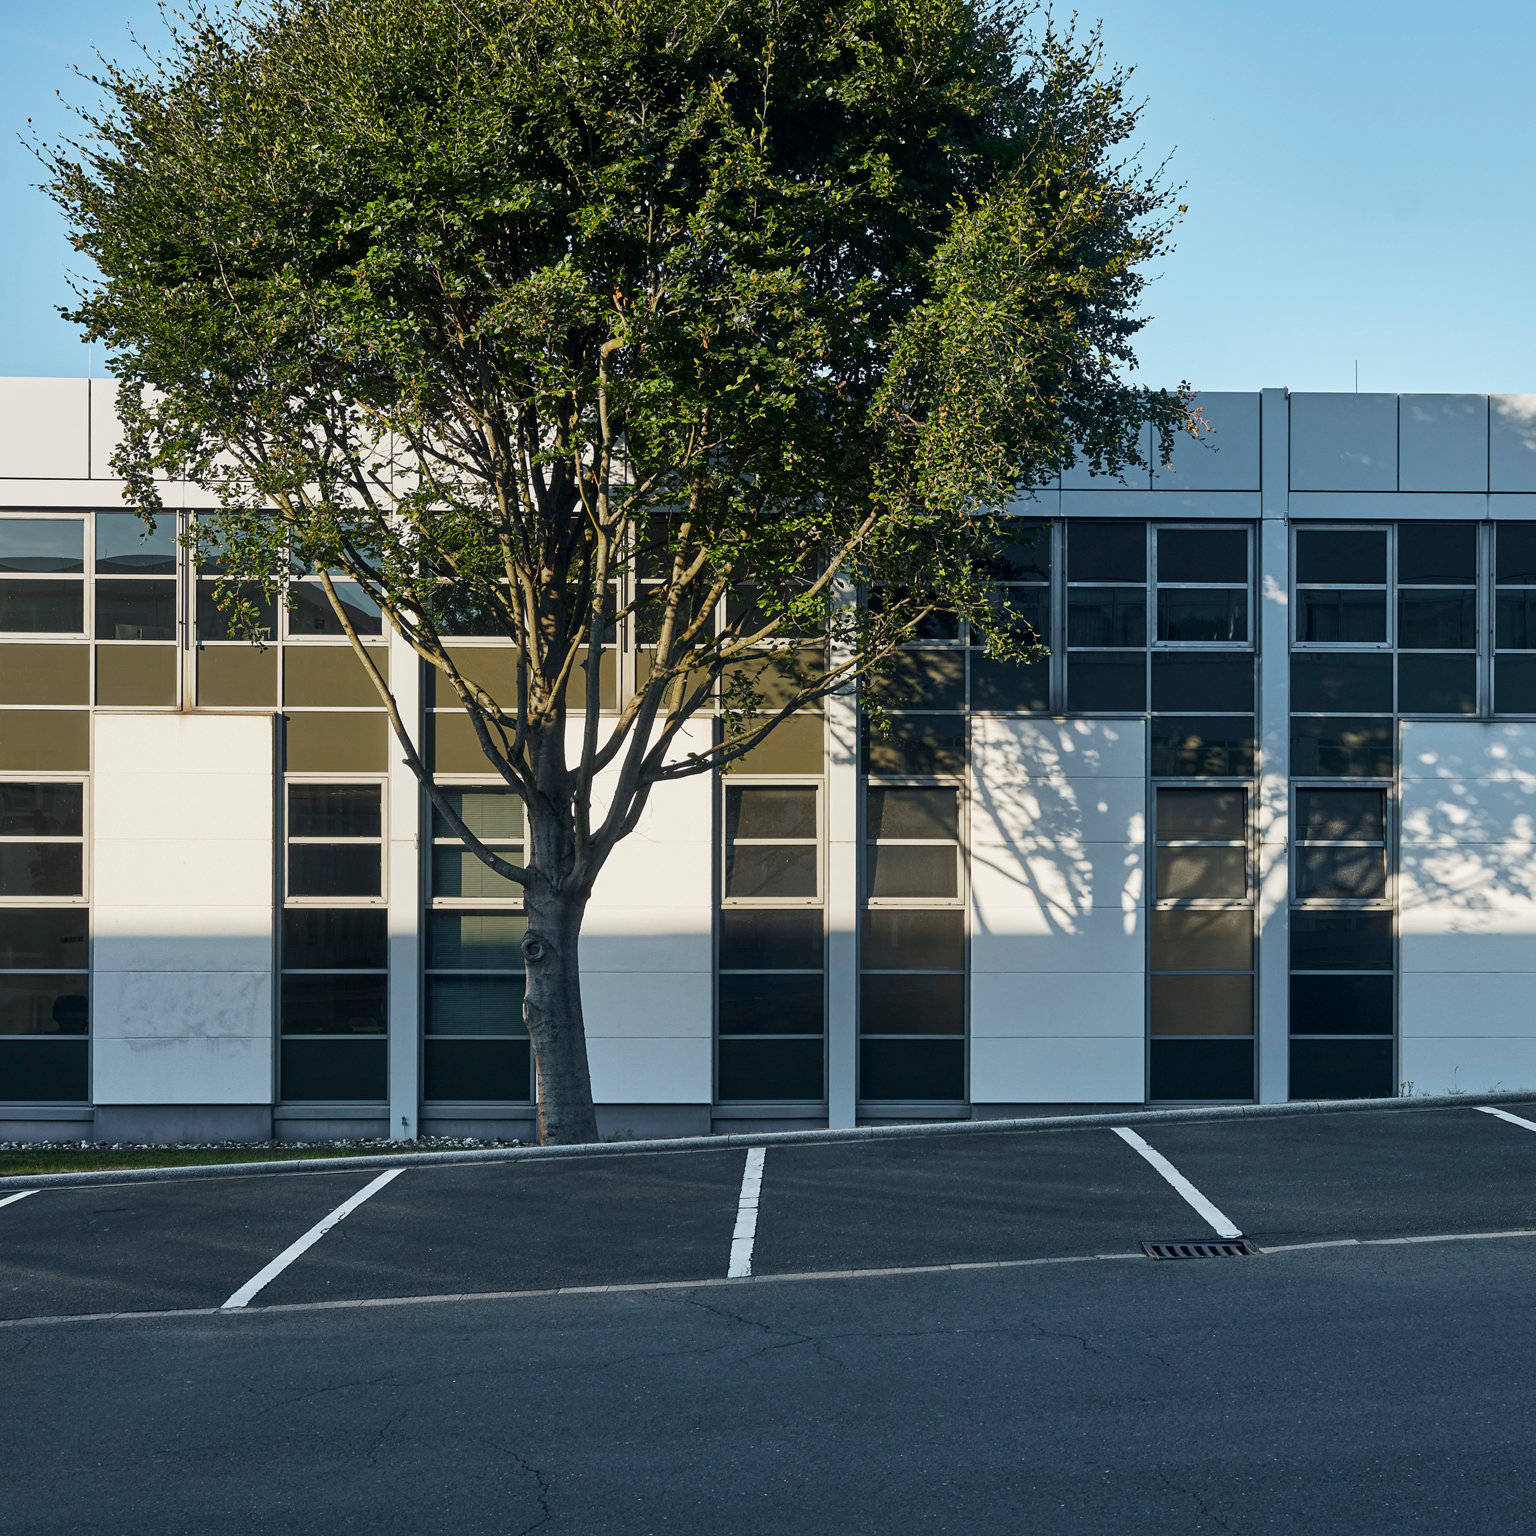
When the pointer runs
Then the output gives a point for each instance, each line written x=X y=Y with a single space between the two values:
x=730 y=329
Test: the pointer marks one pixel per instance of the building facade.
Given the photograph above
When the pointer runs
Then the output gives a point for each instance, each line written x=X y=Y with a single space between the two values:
x=1262 y=827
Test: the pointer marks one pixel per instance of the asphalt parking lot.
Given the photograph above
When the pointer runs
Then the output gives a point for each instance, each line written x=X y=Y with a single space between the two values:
x=285 y=1240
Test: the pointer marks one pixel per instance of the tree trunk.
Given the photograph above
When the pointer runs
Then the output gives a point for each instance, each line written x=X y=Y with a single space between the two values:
x=552 y=1011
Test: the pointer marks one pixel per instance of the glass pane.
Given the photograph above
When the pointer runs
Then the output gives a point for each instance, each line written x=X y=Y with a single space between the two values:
x=917 y=744
x=334 y=869
x=1028 y=557
x=42 y=810
x=1437 y=621
x=42 y=869
x=1341 y=1069
x=135 y=610
x=1024 y=605
x=1002 y=685
x=1202 y=554
x=1437 y=685
x=772 y=1070
x=1106 y=551
x=1104 y=683
x=1341 y=941
x=45 y=1071
x=475 y=941
x=342 y=1071
x=1514 y=685
x=1201 y=1005
x=1342 y=681
x=911 y=1004
x=1515 y=621
x=476 y=1005
x=771 y=941
x=214 y=624
x=906 y=869
x=1346 y=873
x=774 y=1004
x=50 y=937
x=349 y=939
x=1341 y=555
x=1202 y=874
x=1216 y=746
x=922 y=680
x=901 y=940
x=1107 y=616
x=1193 y=615
x=1341 y=815
x=1186 y=683
x=1342 y=748
x=1442 y=553
x=493 y=815
x=1341 y=617
x=44 y=1005
x=768 y=871
x=1341 y=1005
x=477 y=1071
x=41 y=544
x=1201 y=815
x=1515 y=552
x=310 y=612
x=912 y=813
x=1182 y=1070
x=126 y=547
x=1192 y=940
x=355 y=1003
x=769 y=811
x=462 y=873
x=906 y=1070
x=42 y=607
x=333 y=810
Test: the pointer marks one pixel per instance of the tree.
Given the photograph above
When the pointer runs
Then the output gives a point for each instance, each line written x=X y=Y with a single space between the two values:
x=733 y=326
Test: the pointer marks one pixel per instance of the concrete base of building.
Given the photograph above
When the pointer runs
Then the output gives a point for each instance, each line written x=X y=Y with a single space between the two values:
x=157 y=1123
x=482 y=1128
x=24 y=1129
x=1035 y=1111
x=287 y=1127
x=728 y=1126
x=649 y=1122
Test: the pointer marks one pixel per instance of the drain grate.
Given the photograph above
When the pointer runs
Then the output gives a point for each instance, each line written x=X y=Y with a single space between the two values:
x=1219 y=1248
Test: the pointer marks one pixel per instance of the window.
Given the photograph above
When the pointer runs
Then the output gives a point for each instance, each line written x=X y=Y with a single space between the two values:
x=135 y=610
x=475 y=1047
x=1023 y=573
x=44 y=948
x=912 y=960
x=42 y=575
x=1202 y=586
x=335 y=968
x=771 y=980
x=1106 y=598
x=1341 y=586
x=1514 y=622
x=1437 y=618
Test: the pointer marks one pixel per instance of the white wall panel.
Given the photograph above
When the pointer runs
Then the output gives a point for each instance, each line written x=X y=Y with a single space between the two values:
x=1136 y=477
x=1442 y=443
x=44 y=429
x=1343 y=442
x=1226 y=458
x=650 y=1071
x=106 y=429
x=1512 y=443
x=1057 y=829
x=1467 y=906
x=182 y=819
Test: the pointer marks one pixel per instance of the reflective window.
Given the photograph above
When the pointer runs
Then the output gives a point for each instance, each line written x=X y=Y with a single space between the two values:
x=42 y=590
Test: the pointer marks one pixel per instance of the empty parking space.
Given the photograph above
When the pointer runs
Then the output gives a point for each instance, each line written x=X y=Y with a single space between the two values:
x=1314 y=1177
x=143 y=1247
x=527 y=1226
x=970 y=1199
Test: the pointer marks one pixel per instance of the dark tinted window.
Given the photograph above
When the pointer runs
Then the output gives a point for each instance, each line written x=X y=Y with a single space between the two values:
x=1214 y=747
x=1437 y=685
x=1342 y=748
x=771 y=941
x=41 y=810
x=1102 y=682
x=1341 y=815
x=1193 y=683
x=1341 y=941
x=1515 y=552
x=1106 y=551
x=912 y=813
x=1202 y=554
x=1437 y=552
x=1347 y=680
x=318 y=940
x=1341 y=555
x=333 y=810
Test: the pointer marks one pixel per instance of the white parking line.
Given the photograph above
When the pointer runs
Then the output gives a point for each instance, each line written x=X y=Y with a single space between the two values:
x=270 y=1272
x=20 y=1195
x=745 y=1234
x=1221 y=1225
x=1504 y=1114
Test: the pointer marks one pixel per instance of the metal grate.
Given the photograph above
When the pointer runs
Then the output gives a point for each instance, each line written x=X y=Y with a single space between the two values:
x=1219 y=1248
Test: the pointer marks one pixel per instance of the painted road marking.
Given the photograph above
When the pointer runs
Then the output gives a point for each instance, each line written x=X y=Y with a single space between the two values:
x=745 y=1234
x=1221 y=1225
x=270 y=1272
x=1504 y=1114
x=12 y=1199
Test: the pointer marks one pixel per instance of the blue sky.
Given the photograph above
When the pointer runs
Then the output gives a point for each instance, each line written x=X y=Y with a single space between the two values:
x=1358 y=175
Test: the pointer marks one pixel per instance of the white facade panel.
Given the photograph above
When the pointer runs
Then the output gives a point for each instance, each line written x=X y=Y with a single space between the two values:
x=44 y=429
x=1442 y=443
x=1226 y=458
x=1080 y=477
x=182 y=909
x=1059 y=1003
x=1390 y=506
x=1343 y=442
x=106 y=429
x=1512 y=442
x=1067 y=1070
x=650 y=1071
x=1489 y=1064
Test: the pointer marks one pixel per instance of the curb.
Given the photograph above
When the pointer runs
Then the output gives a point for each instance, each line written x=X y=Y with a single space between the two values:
x=765 y=1139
